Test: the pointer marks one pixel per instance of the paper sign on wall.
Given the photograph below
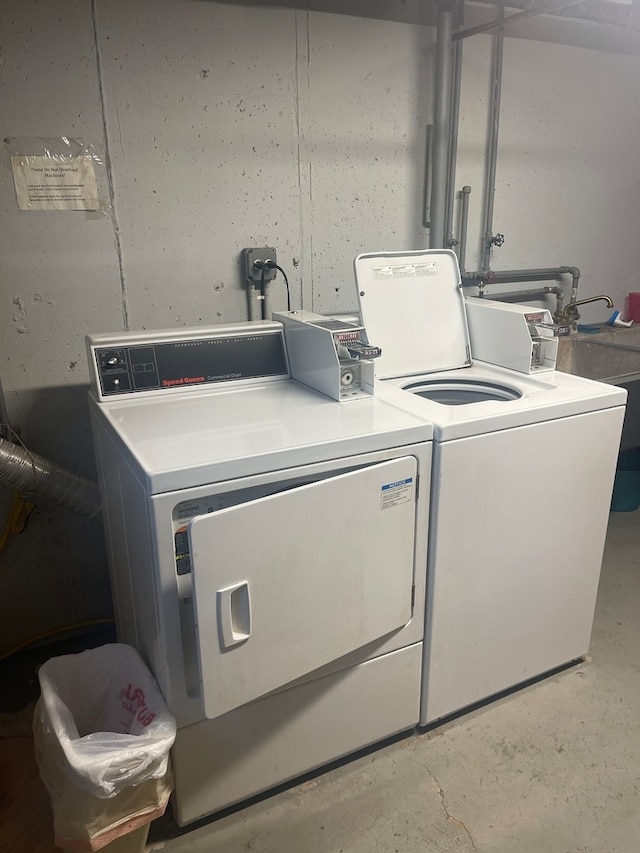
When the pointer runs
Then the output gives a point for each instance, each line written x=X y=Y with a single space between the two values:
x=46 y=183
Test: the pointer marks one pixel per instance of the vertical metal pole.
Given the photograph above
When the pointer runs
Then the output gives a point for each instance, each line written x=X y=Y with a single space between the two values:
x=493 y=146
x=453 y=139
x=466 y=190
x=441 y=123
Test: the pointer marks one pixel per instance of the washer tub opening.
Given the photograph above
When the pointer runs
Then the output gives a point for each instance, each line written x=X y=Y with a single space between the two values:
x=460 y=392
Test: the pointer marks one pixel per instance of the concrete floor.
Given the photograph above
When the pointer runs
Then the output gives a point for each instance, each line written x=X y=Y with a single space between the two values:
x=554 y=768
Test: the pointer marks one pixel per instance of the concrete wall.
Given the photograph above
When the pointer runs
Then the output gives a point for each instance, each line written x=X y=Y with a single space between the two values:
x=568 y=181
x=223 y=126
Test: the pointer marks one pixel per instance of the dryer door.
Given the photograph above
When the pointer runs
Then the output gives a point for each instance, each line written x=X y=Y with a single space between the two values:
x=288 y=583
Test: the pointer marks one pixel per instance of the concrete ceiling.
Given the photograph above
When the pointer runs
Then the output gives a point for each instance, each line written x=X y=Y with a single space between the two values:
x=602 y=25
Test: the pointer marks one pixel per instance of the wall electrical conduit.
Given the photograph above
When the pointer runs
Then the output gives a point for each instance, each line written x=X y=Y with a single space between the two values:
x=35 y=477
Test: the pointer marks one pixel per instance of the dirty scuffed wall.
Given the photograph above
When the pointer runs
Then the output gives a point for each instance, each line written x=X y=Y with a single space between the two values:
x=217 y=127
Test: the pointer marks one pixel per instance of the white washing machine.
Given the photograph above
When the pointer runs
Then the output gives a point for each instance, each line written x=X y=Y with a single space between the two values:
x=267 y=548
x=523 y=469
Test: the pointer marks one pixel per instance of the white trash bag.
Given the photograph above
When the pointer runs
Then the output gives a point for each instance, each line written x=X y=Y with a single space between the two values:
x=102 y=735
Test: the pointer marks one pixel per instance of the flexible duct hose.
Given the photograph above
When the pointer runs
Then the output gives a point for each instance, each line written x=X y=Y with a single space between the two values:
x=33 y=475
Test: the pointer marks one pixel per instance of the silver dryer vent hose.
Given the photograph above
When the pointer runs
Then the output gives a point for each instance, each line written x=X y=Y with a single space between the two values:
x=32 y=475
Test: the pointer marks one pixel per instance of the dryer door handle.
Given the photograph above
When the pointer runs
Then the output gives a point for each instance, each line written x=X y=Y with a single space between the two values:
x=234 y=614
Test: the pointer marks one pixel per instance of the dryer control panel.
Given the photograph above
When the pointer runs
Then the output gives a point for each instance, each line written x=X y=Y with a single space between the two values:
x=136 y=362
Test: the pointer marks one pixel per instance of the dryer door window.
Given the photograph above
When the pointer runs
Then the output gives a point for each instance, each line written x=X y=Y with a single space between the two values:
x=290 y=582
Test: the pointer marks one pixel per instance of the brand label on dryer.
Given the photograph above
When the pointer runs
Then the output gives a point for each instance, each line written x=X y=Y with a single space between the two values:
x=397 y=493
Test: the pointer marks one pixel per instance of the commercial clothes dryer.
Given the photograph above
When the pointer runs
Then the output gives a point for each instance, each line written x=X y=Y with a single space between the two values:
x=523 y=470
x=267 y=548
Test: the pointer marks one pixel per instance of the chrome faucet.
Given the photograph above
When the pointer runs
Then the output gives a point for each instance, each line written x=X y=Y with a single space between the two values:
x=570 y=315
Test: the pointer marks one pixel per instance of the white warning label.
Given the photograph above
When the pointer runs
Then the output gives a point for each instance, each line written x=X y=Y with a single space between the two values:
x=397 y=493
x=391 y=271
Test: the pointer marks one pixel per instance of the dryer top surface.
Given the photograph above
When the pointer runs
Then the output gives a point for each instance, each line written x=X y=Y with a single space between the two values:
x=207 y=436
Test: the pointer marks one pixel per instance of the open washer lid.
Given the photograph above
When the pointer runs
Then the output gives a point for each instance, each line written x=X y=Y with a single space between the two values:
x=412 y=306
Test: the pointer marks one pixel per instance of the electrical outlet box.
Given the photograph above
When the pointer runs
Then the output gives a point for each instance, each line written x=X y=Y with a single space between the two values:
x=248 y=258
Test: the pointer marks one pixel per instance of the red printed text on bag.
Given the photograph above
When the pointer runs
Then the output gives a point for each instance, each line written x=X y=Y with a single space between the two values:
x=134 y=701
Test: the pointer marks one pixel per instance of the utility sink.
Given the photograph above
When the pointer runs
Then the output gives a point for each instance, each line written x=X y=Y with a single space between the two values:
x=610 y=355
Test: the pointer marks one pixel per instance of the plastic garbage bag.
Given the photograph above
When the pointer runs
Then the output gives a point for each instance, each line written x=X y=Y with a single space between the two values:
x=102 y=735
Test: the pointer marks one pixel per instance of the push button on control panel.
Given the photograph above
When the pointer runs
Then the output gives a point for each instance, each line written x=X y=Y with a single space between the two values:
x=116 y=382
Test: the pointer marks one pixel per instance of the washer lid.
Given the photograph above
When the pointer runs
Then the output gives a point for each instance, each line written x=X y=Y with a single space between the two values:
x=412 y=306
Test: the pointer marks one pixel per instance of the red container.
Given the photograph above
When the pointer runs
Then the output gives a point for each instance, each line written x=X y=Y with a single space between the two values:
x=632 y=307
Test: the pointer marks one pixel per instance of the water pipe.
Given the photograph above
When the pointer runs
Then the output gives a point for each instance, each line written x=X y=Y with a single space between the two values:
x=454 y=121
x=487 y=277
x=464 y=220
x=490 y=187
x=441 y=123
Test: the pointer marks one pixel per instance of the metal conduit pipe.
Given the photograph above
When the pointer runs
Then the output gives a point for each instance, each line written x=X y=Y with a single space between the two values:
x=32 y=475
x=251 y=297
x=464 y=220
x=454 y=120
x=266 y=302
x=493 y=146
x=441 y=123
